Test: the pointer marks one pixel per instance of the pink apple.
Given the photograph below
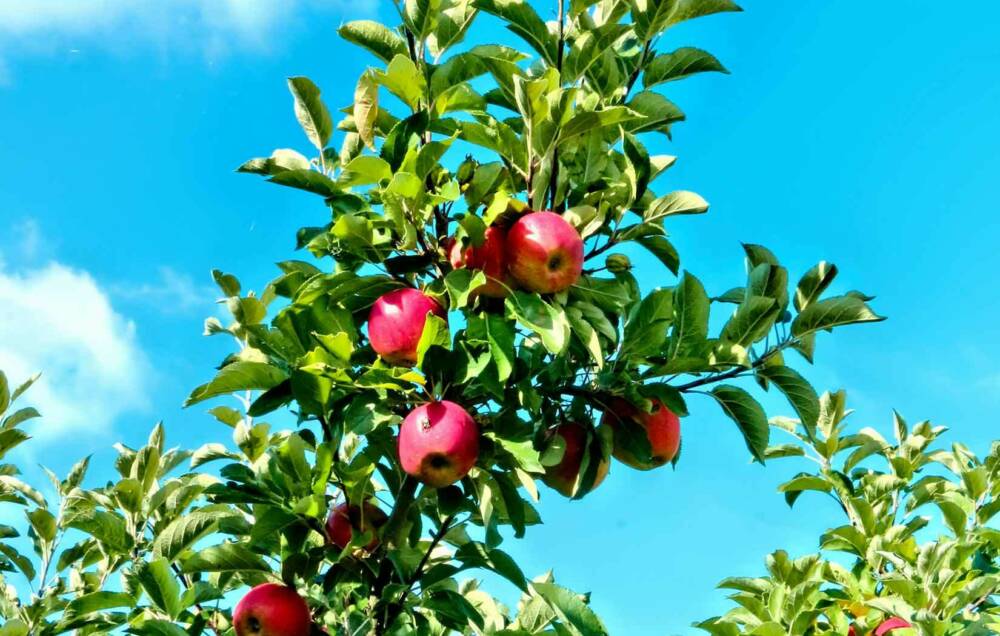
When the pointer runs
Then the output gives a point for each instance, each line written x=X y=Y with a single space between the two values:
x=396 y=322
x=345 y=519
x=490 y=258
x=890 y=625
x=544 y=252
x=438 y=443
x=562 y=476
x=271 y=609
x=663 y=429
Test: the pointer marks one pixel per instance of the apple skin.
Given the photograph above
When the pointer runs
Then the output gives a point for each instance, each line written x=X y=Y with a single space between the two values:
x=345 y=518
x=562 y=476
x=663 y=429
x=890 y=625
x=544 y=252
x=396 y=322
x=271 y=609
x=490 y=258
x=438 y=443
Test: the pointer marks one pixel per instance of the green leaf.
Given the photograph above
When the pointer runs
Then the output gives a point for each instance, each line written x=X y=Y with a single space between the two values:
x=658 y=113
x=813 y=283
x=404 y=80
x=4 y=393
x=311 y=111
x=832 y=312
x=308 y=180
x=748 y=415
x=682 y=63
x=460 y=283
x=377 y=38
x=752 y=320
x=97 y=601
x=663 y=250
x=43 y=523
x=421 y=16
x=280 y=160
x=680 y=202
x=550 y=323
x=363 y=170
x=646 y=329
x=161 y=585
x=106 y=527
x=183 y=532
x=800 y=394
x=522 y=20
x=691 y=310
x=435 y=333
x=238 y=376
x=586 y=121
x=571 y=609
x=227 y=557
x=365 y=110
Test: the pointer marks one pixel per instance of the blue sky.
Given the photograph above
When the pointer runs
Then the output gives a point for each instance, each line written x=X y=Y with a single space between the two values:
x=857 y=132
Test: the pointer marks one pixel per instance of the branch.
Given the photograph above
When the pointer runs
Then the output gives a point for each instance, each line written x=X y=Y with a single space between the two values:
x=396 y=608
x=732 y=373
x=390 y=532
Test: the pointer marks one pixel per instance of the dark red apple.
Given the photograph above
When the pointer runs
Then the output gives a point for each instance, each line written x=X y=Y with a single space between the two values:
x=396 y=322
x=663 y=430
x=271 y=609
x=345 y=519
x=890 y=625
x=544 y=252
x=490 y=258
x=438 y=443
x=562 y=476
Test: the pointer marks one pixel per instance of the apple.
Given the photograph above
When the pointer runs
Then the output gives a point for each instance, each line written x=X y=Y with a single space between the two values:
x=271 y=609
x=438 y=443
x=562 y=476
x=490 y=258
x=396 y=322
x=663 y=430
x=890 y=625
x=544 y=252
x=345 y=519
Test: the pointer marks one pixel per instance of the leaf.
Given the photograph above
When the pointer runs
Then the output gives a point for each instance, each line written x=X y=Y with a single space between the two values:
x=377 y=38
x=680 y=202
x=106 y=527
x=691 y=310
x=404 y=80
x=638 y=159
x=365 y=110
x=308 y=180
x=679 y=64
x=658 y=113
x=421 y=16
x=800 y=394
x=571 y=609
x=646 y=329
x=547 y=321
x=748 y=415
x=521 y=19
x=227 y=557
x=363 y=170
x=160 y=585
x=460 y=283
x=663 y=250
x=752 y=320
x=832 y=312
x=813 y=283
x=311 y=112
x=97 y=601
x=183 y=532
x=586 y=121
x=280 y=160
x=238 y=376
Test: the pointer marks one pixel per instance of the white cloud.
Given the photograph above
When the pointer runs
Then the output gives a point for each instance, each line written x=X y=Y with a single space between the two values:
x=174 y=293
x=211 y=28
x=58 y=321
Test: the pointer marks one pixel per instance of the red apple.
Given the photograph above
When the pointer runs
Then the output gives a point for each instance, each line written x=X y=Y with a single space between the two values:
x=890 y=625
x=490 y=258
x=396 y=322
x=851 y=631
x=562 y=476
x=438 y=443
x=345 y=519
x=544 y=252
x=663 y=429
x=271 y=609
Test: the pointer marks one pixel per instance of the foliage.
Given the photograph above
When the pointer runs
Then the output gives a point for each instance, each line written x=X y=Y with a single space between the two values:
x=565 y=127
x=938 y=572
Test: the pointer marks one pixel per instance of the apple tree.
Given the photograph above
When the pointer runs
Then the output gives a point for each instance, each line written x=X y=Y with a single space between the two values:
x=463 y=324
x=916 y=552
